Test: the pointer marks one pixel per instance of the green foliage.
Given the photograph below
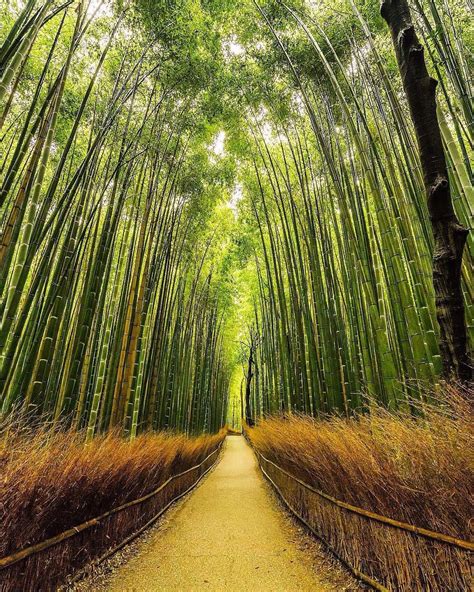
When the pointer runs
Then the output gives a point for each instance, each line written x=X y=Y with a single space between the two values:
x=178 y=174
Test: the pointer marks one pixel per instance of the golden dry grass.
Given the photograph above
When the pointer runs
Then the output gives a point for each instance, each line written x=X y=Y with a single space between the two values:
x=51 y=481
x=419 y=471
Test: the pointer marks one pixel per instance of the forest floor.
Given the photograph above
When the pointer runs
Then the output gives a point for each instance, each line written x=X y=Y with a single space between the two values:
x=230 y=534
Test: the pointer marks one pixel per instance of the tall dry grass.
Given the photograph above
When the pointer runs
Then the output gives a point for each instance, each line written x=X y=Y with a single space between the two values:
x=419 y=471
x=52 y=481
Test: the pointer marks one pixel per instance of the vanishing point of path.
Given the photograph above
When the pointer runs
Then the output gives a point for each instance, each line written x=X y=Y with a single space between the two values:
x=228 y=535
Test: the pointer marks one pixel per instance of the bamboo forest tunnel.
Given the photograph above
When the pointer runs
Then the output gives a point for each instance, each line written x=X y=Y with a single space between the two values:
x=216 y=210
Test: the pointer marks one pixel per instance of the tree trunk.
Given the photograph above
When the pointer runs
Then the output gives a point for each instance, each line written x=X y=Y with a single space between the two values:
x=449 y=235
x=248 y=409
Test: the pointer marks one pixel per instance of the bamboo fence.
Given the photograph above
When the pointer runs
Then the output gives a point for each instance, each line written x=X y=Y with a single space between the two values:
x=47 y=564
x=367 y=543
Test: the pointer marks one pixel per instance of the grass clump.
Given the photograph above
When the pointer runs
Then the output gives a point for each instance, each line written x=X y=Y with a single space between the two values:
x=415 y=470
x=51 y=482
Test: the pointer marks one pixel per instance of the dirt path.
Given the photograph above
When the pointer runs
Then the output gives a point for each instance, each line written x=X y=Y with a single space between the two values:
x=229 y=535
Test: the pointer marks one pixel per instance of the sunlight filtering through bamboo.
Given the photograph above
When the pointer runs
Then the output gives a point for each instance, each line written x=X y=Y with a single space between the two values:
x=218 y=215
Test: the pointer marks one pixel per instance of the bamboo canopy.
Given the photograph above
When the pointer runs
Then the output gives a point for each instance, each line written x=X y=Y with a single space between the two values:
x=184 y=200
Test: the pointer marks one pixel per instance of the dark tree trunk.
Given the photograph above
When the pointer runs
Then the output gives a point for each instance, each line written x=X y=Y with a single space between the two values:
x=248 y=380
x=449 y=235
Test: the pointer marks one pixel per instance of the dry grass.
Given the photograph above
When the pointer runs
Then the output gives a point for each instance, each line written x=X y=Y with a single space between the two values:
x=51 y=481
x=416 y=471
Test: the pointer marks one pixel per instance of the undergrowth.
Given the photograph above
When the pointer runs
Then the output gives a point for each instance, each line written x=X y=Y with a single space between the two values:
x=51 y=481
x=415 y=470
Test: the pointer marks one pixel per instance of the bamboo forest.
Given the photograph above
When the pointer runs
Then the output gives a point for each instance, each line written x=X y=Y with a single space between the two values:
x=236 y=269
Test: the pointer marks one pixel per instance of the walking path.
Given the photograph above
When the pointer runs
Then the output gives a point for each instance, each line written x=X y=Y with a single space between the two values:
x=228 y=536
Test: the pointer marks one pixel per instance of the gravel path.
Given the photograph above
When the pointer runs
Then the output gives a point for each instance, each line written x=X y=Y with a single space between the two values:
x=230 y=534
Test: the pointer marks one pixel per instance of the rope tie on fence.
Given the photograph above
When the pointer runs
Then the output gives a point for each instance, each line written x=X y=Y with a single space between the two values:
x=38 y=547
x=424 y=532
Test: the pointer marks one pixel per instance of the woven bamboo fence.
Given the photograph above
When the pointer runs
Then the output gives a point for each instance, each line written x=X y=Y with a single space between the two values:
x=385 y=554
x=46 y=565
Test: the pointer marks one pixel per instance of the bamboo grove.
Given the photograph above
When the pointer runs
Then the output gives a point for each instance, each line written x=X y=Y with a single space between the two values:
x=345 y=313
x=109 y=316
x=134 y=258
